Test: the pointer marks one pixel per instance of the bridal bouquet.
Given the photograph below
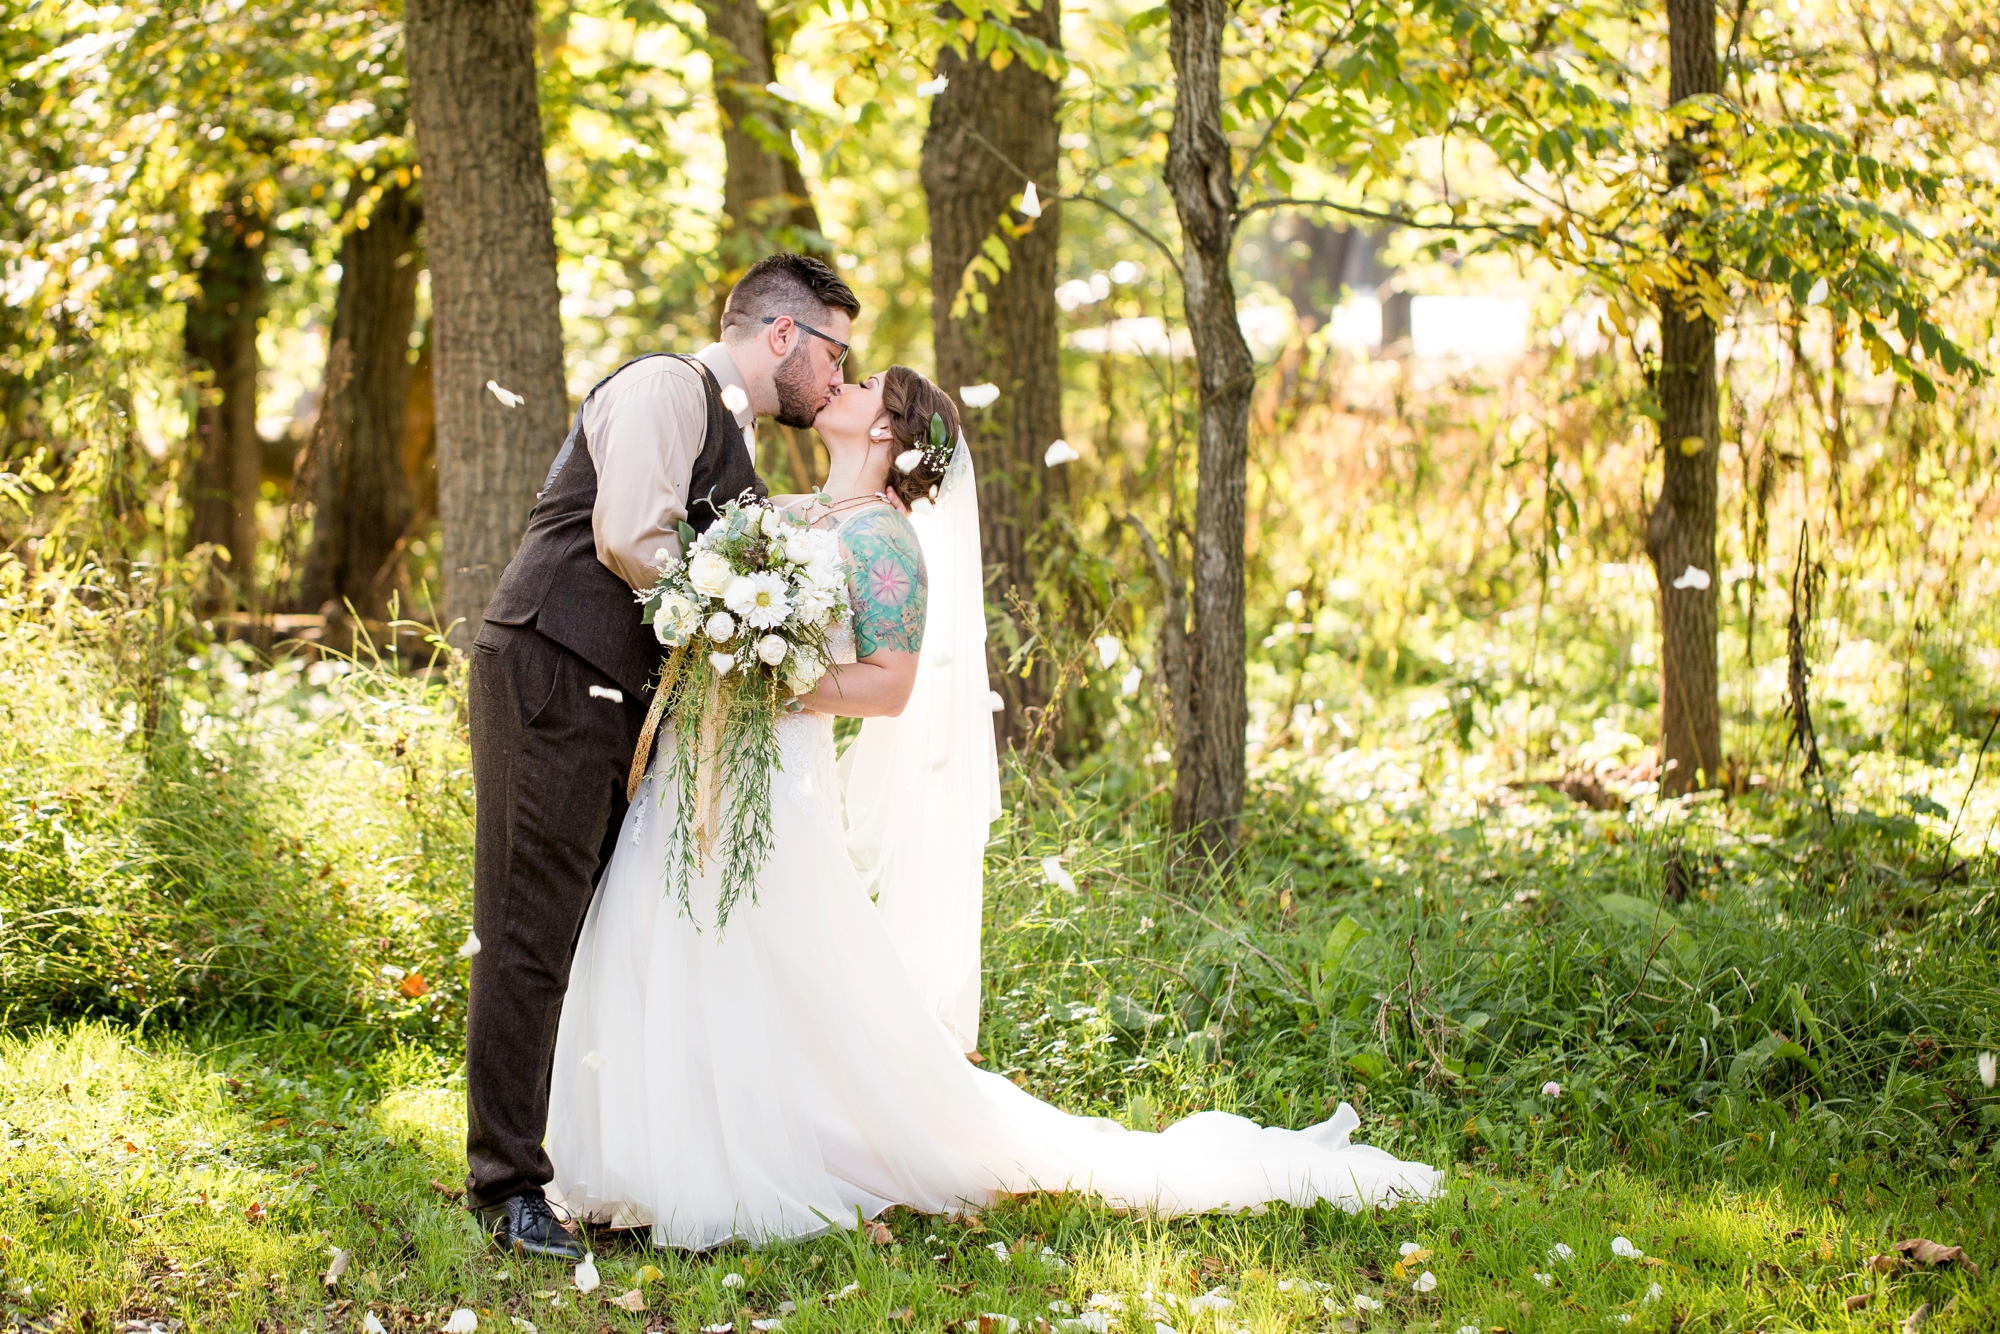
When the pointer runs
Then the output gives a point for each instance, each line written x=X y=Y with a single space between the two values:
x=746 y=614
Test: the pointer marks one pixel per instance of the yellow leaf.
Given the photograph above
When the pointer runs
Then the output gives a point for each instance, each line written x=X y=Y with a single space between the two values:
x=1692 y=445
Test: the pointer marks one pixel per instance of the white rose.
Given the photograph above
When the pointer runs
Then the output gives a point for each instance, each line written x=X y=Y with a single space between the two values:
x=709 y=572
x=804 y=671
x=666 y=623
x=721 y=627
x=771 y=650
x=824 y=572
x=798 y=551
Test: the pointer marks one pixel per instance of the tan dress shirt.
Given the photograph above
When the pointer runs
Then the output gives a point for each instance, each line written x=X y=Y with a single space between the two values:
x=645 y=428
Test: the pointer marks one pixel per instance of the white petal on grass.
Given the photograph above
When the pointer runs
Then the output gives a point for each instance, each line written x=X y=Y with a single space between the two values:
x=1818 y=293
x=1692 y=577
x=1363 y=1302
x=1053 y=872
x=463 y=1321
x=1031 y=203
x=1425 y=1281
x=1409 y=1248
x=1560 y=1251
x=1108 y=648
x=1546 y=1280
x=734 y=398
x=1468 y=1329
x=1061 y=452
x=847 y=1291
x=525 y=1326
x=508 y=398
x=586 y=1269
x=766 y=1326
x=1654 y=1293
x=592 y=1060
x=979 y=395
x=732 y=1280
x=341 y=1259
x=1989 y=1068
x=1623 y=1248
x=371 y=1324
x=471 y=945
x=932 y=87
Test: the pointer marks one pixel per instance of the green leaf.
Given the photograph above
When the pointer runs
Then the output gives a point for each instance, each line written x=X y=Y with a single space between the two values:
x=1150 y=18
x=1339 y=942
x=688 y=534
x=937 y=431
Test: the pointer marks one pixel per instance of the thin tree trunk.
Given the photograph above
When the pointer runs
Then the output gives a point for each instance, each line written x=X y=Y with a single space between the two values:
x=1209 y=760
x=496 y=314
x=991 y=132
x=1680 y=535
x=764 y=197
x=220 y=340
x=362 y=504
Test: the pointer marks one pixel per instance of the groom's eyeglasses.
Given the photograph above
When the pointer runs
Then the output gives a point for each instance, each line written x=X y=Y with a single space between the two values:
x=838 y=357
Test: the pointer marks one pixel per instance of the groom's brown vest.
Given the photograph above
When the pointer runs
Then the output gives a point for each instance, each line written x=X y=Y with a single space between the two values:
x=555 y=581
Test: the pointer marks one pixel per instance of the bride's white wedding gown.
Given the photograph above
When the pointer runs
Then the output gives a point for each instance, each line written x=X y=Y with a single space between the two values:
x=768 y=1081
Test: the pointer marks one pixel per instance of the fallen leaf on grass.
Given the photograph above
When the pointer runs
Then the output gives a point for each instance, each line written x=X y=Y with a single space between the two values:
x=414 y=986
x=1916 y=1319
x=903 y=1313
x=449 y=1192
x=648 y=1274
x=876 y=1231
x=633 y=1301
x=1935 y=1253
x=1883 y=1264
x=257 y=1213
x=341 y=1259
x=1856 y=1302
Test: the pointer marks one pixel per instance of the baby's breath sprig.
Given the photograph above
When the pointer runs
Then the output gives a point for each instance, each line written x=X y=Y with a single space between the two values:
x=936 y=451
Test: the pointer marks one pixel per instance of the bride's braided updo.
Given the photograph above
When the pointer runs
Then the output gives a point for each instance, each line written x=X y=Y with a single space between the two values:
x=911 y=401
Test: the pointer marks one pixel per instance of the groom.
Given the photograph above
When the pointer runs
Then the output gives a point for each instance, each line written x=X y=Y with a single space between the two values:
x=560 y=675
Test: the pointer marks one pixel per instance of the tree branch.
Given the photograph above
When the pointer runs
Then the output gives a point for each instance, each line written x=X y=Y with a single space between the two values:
x=1250 y=162
x=1104 y=204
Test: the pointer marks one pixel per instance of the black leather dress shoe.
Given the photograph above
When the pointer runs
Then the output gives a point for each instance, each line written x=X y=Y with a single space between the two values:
x=525 y=1225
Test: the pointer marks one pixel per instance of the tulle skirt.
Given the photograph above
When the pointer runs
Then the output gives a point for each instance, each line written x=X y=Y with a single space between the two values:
x=783 y=1076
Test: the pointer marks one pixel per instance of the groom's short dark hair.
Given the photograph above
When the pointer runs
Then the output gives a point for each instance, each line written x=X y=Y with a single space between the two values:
x=795 y=285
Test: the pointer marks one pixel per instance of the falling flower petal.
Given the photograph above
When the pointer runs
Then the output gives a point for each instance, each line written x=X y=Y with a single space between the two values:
x=1989 y=1068
x=1653 y=1293
x=908 y=460
x=734 y=398
x=593 y=1060
x=995 y=704
x=779 y=90
x=932 y=87
x=525 y=1326
x=1108 y=648
x=979 y=395
x=508 y=398
x=1692 y=577
x=1128 y=684
x=1818 y=293
x=1031 y=204
x=722 y=662
x=471 y=945
x=586 y=1269
x=1052 y=870
x=463 y=1321
x=1061 y=452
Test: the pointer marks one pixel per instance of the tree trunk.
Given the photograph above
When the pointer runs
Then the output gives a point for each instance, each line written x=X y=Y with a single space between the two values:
x=362 y=505
x=495 y=307
x=991 y=131
x=1209 y=760
x=1680 y=536
x=764 y=198
x=220 y=340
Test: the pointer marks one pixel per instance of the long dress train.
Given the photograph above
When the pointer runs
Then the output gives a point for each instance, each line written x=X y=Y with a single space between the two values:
x=768 y=1081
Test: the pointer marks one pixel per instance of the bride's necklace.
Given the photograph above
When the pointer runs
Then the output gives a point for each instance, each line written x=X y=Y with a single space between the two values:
x=831 y=506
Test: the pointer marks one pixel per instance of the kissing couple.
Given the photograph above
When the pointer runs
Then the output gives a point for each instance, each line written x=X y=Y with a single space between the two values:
x=632 y=1060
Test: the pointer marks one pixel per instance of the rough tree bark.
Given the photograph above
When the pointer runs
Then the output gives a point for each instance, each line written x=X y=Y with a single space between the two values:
x=764 y=195
x=991 y=132
x=220 y=340
x=1680 y=535
x=1208 y=756
x=362 y=505
x=495 y=312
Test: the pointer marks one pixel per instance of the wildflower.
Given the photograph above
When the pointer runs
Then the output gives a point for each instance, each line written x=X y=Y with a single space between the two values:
x=463 y=1321
x=586 y=1271
x=1624 y=1249
x=1552 y=1089
x=1425 y=1281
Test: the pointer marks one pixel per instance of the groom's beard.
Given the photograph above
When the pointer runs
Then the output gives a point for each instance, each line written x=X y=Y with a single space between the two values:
x=801 y=391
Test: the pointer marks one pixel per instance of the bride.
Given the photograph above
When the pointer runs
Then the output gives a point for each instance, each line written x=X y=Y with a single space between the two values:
x=806 y=1065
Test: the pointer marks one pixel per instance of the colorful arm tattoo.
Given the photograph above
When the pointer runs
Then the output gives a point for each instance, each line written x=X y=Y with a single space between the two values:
x=886 y=583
